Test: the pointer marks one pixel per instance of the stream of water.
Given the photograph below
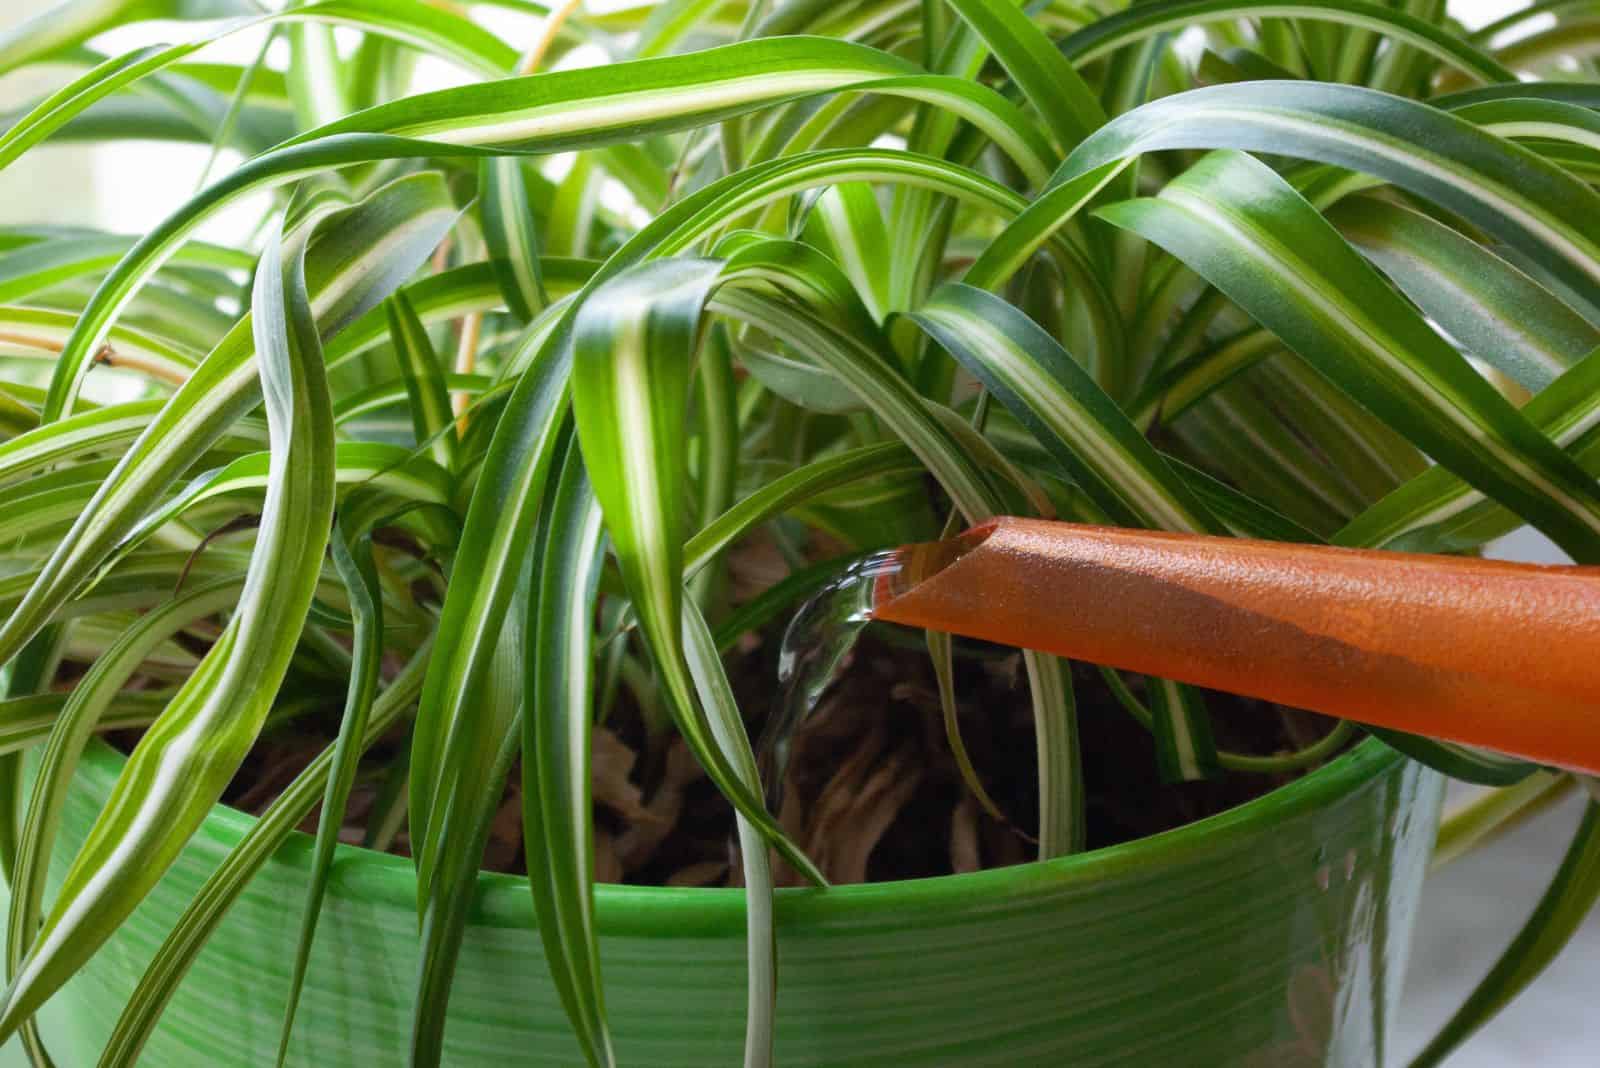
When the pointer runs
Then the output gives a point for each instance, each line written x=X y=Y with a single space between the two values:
x=820 y=636
x=815 y=646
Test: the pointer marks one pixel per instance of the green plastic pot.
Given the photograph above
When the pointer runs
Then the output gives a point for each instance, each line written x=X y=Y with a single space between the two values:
x=1275 y=934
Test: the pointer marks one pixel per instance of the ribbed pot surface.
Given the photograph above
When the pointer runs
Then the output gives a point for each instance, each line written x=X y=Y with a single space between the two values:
x=1273 y=935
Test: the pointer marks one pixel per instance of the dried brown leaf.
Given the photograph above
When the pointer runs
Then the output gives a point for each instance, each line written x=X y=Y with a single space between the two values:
x=611 y=763
x=607 y=866
x=704 y=873
x=964 y=855
x=638 y=844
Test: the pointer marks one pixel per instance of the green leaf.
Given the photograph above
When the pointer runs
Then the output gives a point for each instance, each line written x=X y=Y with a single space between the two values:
x=26 y=722
x=170 y=782
x=85 y=710
x=462 y=820
x=1244 y=516
x=457 y=728
x=671 y=21
x=868 y=374
x=1082 y=428
x=1046 y=77
x=42 y=332
x=367 y=466
x=572 y=209
x=1034 y=377
x=512 y=237
x=1437 y=511
x=74 y=438
x=1140 y=21
x=73 y=21
x=631 y=340
x=940 y=646
x=791 y=489
x=352 y=557
x=1532 y=206
x=1056 y=206
x=845 y=220
x=716 y=447
x=727 y=729
x=1458 y=761
x=1487 y=306
x=259 y=844
x=40 y=266
x=315 y=87
x=541 y=113
x=1237 y=434
x=1167 y=395
x=355 y=257
x=33 y=670
x=415 y=22
x=431 y=418
x=1234 y=221
x=557 y=815
x=448 y=295
x=890 y=397
x=1490 y=814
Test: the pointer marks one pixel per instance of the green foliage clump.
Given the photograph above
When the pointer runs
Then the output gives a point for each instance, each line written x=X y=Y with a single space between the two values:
x=465 y=436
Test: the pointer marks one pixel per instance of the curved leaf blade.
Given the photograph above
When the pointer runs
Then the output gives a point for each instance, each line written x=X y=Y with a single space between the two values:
x=1531 y=205
x=1085 y=431
x=557 y=813
x=632 y=343
x=1238 y=224
x=179 y=769
x=352 y=558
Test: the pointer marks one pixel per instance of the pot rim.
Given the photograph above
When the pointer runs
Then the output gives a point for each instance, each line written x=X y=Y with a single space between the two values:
x=389 y=880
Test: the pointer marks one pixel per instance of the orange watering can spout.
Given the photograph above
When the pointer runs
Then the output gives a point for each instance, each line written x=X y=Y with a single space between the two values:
x=1484 y=652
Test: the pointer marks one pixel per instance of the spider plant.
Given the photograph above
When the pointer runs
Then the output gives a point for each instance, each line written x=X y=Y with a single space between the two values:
x=472 y=422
